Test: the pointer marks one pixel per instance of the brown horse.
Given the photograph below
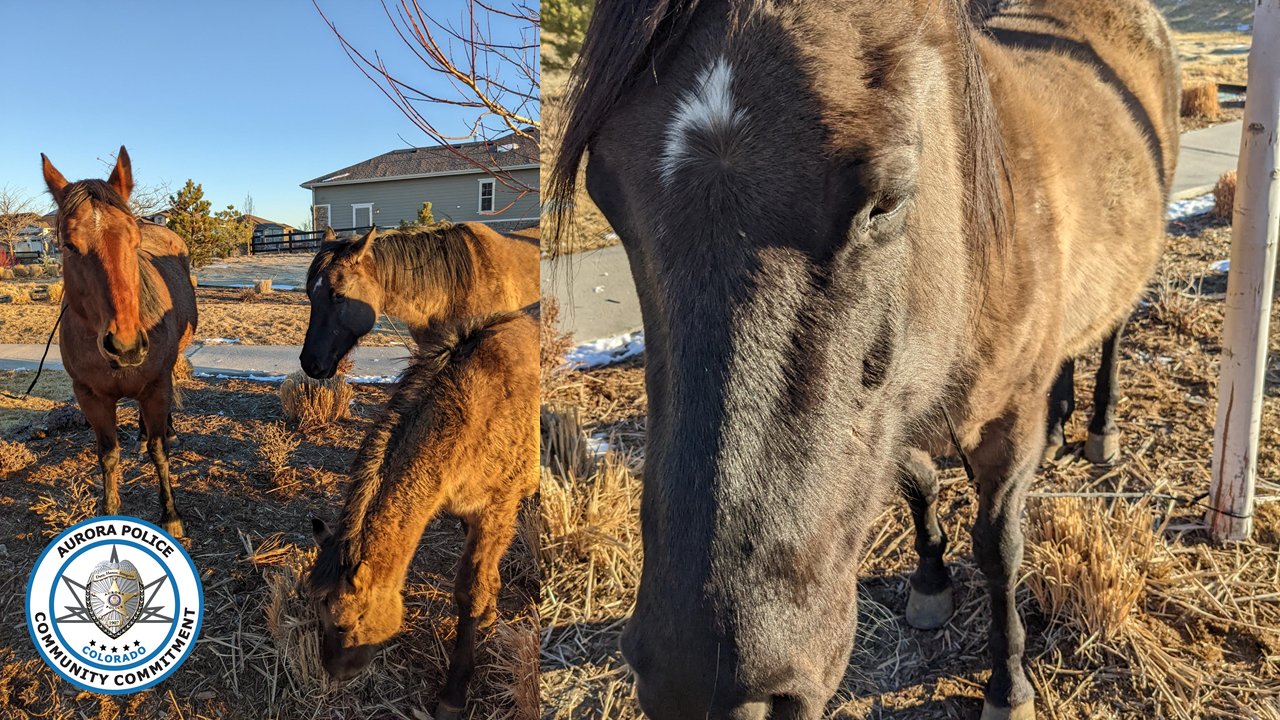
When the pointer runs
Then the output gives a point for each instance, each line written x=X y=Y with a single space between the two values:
x=460 y=436
x=419 y=276
x=129 y=311
x=853 y=225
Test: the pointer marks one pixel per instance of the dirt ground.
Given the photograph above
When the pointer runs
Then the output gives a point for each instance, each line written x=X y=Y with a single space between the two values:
x=277 y=318
x=248 y=519
x=1196 y=634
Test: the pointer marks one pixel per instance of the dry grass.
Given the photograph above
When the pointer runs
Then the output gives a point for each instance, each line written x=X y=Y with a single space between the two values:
x=276 y=448
x=14 y=457
x=248 y=295
x=1224 y=195
x=1200 y=100
x=262 y=287
x=312 y=403
x=22 y=271
x=553 y=344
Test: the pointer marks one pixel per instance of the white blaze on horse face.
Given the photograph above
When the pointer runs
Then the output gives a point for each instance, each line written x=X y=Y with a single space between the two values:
x=707 y=106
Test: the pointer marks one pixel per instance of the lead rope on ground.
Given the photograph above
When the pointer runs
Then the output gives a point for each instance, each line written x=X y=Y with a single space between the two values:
x=40 y=368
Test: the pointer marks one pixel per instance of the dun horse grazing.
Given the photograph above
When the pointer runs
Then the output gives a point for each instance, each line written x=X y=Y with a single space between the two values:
x=852 y=225
x=419 y=276
x=460 y=436
x=129 y=311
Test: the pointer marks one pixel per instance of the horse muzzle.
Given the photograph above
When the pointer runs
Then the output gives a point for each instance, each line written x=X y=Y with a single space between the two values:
x=124 y=355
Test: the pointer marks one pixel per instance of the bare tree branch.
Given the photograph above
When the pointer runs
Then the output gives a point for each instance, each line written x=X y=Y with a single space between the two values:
x=498 y=80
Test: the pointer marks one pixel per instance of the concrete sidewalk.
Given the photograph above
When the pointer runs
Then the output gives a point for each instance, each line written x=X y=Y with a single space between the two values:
x=598 y=299
x=372 y=364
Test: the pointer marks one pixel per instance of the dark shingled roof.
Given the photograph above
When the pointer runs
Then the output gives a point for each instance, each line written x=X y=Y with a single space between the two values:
x=504 y=152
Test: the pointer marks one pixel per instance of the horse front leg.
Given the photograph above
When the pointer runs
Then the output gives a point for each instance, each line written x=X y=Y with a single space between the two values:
x=931 y=602
x=1103 y=445
x=476 y=593
x=101 y=414
x=154 y=409
x=1005 y=463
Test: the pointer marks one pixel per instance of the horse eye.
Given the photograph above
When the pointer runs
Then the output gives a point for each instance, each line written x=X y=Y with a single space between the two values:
x=339 y=298
x=888 y=207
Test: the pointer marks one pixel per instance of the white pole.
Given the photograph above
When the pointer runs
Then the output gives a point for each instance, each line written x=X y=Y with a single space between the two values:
x=1255 y=229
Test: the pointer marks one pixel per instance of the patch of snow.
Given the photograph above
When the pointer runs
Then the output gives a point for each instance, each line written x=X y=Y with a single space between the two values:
x=1183 y=209
x=606 y=351
x=286 y=288
x=254 y=378
x=598 y=444
x=597 y=289
x=1221 y=266
x=221 y=341
x=373 y=379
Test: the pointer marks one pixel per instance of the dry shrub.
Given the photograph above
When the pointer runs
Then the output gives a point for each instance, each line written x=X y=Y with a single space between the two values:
x=77 y=500
x=14 y=457
x=275 y=447
x=248 y=295
x=563 y=448
x=315 y=403
x=1089 y=569
x=1200 y=100
x=183 y=369
x=1090 y=565
x=19 y=294
x=21 y=271
x=291 y=618
x=1224 y=195
x=55 y=292
x=6 y=273
x=590 y=545
x=262 y=287
x=554 y=344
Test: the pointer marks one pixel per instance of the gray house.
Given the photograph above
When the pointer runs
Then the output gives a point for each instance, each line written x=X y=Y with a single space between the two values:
x=391 y=188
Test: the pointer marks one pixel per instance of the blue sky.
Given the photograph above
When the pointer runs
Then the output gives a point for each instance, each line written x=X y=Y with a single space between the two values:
x=246 y=97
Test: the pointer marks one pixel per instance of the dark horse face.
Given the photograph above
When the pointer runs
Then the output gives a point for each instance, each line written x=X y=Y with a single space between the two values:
x=100 y=240
x=784 y=180
x=358 y=612
x=346 y=298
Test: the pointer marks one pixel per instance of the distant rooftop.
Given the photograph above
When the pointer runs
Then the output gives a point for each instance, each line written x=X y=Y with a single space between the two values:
x=502 y=152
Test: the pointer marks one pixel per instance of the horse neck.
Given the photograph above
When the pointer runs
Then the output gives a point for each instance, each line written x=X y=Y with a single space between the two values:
x=390 y=505
x=420 y=306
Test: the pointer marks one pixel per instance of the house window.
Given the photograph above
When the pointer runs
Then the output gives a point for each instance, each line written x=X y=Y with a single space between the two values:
x=362 y=215
x=486 y=195
x=320 y=217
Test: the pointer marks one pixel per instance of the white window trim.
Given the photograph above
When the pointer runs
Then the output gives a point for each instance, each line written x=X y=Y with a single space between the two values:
x=328 y=213
x=493 y=196
x=355 y=207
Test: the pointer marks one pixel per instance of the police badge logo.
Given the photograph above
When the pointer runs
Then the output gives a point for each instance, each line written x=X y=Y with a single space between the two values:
x=114 y=605
x=114 y=595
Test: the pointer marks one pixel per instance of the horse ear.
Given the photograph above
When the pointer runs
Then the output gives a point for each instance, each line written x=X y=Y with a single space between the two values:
x=53 y=179
x=362 y=576
x=320 y=529
x=122 y=176
x=361 y=247
x=329 y=234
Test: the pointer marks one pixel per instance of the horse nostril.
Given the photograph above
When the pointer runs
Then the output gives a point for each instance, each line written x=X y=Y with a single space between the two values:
x=109 y=344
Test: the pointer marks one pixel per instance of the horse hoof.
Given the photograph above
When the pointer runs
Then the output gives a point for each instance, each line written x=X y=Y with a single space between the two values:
x=173 y=527
x=448 y=712
x=1052 y=453
x=1025 y=711
x=930 y=612
x=1102 y=449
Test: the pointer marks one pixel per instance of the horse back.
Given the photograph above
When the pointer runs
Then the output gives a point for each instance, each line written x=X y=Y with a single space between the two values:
x=508 y=264
x=1087 y=95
